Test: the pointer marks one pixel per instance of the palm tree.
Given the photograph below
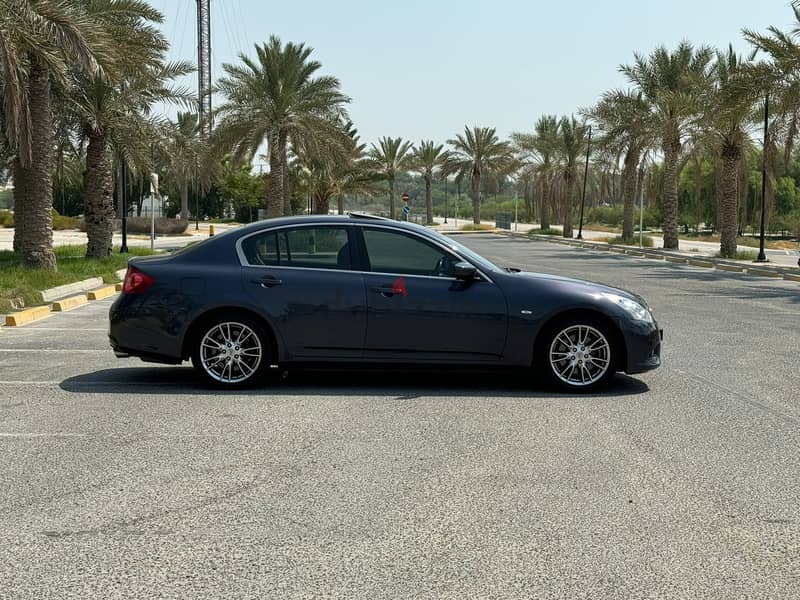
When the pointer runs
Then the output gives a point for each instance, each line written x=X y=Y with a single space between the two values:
x=477 y=152
x=183 y=152
x=538 y=151
x=672 y=84
x=39 y=41
x=626 y=121
x=276 y=98
x=572 y=144
x=730 y=101
x=426 y=159
x=388 y=157
x=113 y=107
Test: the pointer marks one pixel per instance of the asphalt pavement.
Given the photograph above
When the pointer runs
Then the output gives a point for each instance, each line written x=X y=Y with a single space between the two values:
x=120 y=479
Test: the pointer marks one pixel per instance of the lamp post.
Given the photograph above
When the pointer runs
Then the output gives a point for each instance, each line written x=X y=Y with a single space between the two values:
x=585 y=177
x=762 y=256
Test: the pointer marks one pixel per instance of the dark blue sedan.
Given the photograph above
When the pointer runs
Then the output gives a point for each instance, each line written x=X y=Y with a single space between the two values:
x=361 y=289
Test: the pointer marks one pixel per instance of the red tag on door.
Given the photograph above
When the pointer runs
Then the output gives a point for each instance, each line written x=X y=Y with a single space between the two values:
x=399 y=287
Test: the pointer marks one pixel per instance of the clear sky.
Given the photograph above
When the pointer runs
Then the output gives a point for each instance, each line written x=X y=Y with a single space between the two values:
x=423 y=69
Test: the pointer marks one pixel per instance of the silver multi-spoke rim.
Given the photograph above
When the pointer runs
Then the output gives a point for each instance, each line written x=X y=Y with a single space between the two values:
x=230 y=352
x=580 y=355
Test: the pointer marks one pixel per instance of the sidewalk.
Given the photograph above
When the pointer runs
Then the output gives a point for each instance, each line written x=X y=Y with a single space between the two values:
x=781 y=258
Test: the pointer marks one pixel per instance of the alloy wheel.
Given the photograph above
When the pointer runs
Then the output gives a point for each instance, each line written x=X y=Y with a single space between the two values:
x=231 y=352
x=580 y=355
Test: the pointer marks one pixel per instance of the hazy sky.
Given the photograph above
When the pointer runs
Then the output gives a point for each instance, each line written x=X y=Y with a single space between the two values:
x=424 y=69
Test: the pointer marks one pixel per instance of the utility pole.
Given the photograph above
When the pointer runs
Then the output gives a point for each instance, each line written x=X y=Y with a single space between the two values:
x=203 y=88
x=204 y=66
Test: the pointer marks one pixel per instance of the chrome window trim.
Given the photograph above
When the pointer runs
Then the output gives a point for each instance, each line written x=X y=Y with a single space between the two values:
x=243 y=261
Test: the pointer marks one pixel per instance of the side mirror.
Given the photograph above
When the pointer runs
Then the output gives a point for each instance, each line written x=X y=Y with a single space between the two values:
x=464 y=271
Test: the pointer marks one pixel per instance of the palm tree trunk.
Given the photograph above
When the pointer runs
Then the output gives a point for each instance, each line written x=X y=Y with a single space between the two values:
x=391 y=198
x=544 y=212
x=629 y=176
x=20 y=205
x=322 y=204
x=727 y=208
x=287 y=192
x=340 y=202
x=428 y=201
x=670 y=203
x=275 y=190
x=185 y=200
x=37 y=244
x=476 y=196
x=567 y=204
x=98 y=184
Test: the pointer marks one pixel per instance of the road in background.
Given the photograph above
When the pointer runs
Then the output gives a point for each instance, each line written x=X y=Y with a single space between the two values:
x=126 y=480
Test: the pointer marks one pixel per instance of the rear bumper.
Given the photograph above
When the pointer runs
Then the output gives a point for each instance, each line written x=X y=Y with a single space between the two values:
x=136 y=331
x=644 y=348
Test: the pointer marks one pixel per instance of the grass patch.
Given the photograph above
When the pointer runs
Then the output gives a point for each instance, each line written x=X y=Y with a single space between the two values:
x=647 y=241
x=546 y=231
x=740 y=255
x=601 y=227
x=477 y=227
x=20 y=287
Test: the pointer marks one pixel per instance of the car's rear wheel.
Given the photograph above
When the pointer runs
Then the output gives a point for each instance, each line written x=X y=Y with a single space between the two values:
x=232 y=351
x=578 y=354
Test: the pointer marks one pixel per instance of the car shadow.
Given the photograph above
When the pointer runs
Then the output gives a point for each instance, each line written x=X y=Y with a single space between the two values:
x=399 y=384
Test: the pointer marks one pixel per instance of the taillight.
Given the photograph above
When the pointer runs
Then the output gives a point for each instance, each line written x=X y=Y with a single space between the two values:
x=136 y=282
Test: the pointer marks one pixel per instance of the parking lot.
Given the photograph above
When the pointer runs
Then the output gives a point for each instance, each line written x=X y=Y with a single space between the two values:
x=122 y=479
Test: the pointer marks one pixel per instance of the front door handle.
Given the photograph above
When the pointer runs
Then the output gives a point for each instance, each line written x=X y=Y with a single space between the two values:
x=268 y=282
x=387 y=291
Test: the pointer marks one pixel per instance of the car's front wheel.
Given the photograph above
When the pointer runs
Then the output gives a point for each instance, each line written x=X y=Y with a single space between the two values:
x=578 y=354
x=232 y=351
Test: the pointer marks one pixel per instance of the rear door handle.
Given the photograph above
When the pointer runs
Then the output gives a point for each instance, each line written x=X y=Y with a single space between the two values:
x=268 y=281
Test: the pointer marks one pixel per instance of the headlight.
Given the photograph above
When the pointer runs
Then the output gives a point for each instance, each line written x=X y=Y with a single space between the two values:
x=633 y=308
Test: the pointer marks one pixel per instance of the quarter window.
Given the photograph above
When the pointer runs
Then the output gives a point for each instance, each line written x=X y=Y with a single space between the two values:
x=391 y=252
x=309 y=247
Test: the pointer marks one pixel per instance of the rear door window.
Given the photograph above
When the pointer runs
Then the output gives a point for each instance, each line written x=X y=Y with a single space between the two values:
x=305 y=247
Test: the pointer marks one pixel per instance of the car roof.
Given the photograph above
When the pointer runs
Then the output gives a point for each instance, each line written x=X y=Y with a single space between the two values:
x=352 y=218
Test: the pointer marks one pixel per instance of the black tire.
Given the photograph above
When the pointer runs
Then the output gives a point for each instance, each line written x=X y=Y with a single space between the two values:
x=597 y=366
x=233 y=365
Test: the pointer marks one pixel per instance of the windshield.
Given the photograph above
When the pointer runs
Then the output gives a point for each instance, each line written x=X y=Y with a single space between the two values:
x=464 y=251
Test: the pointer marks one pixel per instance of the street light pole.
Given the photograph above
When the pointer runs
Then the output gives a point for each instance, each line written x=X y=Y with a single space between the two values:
x=585 y=177
x=762 y=256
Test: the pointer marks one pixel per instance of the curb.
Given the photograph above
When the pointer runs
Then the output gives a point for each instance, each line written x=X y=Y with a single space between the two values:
x=103 y=292
x=70 y=289
x=69 y=303
x=658 y=254
x=118 y=287
x=23 y=317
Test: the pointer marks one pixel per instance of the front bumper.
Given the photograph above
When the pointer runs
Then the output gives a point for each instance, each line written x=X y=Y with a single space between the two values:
x=643 y=342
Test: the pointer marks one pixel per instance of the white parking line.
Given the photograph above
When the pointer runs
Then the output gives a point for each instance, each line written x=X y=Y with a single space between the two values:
x=62 y=350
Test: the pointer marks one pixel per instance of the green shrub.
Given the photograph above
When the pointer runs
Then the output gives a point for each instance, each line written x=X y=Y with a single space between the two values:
x=6 y=218
x=476 y=227
x=547 y=231
x=141 y=225
x=740 y=255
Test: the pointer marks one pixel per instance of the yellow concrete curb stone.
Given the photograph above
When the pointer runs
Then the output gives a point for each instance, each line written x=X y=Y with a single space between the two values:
x=103 y=292
x=763 y=273
x=28 y=315
x=791 y=277
x=118 y=287
x=69 y=303
x=701 y=263
x=731 y=268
